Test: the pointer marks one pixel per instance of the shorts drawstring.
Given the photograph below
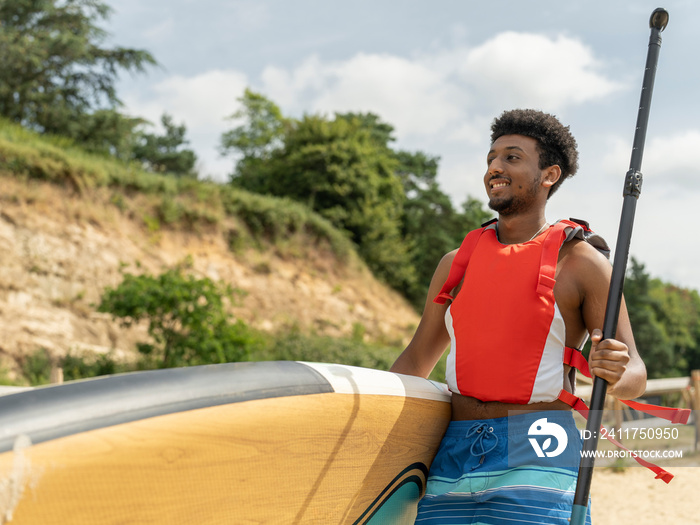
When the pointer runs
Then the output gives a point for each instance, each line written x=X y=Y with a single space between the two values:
x=483 y=433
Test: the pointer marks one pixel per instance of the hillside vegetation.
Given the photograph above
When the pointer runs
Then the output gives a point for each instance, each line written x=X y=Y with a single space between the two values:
x=72 y=222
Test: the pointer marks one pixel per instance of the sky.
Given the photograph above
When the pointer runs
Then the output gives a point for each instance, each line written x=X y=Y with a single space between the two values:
x=439 y=72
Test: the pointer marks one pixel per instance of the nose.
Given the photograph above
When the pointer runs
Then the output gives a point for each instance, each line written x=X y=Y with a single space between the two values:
x=495 y=167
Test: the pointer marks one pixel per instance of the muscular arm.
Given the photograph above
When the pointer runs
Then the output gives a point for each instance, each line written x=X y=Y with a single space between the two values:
x=431 y=337
x=615 y=360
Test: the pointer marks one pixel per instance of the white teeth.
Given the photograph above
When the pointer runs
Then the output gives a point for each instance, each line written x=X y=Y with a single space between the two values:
x=500 y=185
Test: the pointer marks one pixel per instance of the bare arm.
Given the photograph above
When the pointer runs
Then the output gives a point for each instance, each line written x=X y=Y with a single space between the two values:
x=431 y=337
x=615 y=360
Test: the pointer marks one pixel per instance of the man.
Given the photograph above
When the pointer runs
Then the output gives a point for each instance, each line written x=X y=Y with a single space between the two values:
x=510 y=319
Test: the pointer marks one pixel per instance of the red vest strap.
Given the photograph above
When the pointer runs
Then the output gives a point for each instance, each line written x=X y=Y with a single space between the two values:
x=550 y=255
x=574 y=402
x=459 y=266
x=674 y=415
x=577 y=404
x=661 y=474
x=574 y=357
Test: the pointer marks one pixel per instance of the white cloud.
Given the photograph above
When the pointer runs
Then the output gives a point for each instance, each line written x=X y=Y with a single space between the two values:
x=523 y=69
x=473 y=130
x=204 y=99
x=668 y=161
x=672 y=160
x=408 y=94
x=287 y=88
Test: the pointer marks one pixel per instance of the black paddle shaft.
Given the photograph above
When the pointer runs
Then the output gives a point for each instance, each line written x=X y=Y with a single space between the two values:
x=632 y=190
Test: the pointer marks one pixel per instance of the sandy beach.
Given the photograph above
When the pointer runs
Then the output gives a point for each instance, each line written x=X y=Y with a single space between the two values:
x=634 y=497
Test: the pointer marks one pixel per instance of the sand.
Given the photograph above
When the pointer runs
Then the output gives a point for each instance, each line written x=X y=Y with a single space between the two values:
x=634 y=497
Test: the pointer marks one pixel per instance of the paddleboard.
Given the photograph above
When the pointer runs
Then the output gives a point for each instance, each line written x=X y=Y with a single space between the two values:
x=241 y=443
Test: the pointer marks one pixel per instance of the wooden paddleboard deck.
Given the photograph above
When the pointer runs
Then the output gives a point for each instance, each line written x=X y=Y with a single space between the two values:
x=241 y=443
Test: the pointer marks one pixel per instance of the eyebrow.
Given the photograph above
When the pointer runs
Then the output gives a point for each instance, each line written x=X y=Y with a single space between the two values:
x=508 y=148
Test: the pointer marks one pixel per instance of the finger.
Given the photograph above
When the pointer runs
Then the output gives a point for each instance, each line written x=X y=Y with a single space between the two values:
x=608 y=366
x=611 y=343
x=613 y=357
x=617 y=366
x=610 y=375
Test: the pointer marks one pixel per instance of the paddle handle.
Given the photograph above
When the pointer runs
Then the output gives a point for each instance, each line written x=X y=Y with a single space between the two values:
x=632 y=190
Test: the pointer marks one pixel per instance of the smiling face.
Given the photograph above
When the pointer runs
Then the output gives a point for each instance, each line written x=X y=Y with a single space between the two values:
x=514 y=180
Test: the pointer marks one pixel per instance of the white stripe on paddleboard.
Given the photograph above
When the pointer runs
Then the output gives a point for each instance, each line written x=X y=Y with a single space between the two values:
x=5 y=390
x=347 y=379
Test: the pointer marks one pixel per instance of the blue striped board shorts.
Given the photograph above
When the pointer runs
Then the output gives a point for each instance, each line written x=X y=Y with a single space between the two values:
x=520 y=469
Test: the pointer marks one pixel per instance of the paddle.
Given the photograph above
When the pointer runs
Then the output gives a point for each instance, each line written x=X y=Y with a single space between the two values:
x=632 y=190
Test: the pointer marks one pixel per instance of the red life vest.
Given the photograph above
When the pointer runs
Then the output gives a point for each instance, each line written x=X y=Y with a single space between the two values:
x=507 y=334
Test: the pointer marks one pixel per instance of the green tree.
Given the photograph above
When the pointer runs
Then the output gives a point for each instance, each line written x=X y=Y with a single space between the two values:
x=165 y=153
x=81 y=366
x=36 y=367
x=341 y=168
x=55 y=67
x=108 y=132
x=679 y=312
x=261 y=133
x=651 y=336
x=187 y=317
x=380 y=132
x=341 y=171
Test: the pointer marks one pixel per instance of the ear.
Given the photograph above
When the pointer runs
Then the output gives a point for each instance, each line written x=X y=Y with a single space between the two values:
x=551 y=175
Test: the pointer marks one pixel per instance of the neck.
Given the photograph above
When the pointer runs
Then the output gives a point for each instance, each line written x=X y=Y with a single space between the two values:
x=517 y=230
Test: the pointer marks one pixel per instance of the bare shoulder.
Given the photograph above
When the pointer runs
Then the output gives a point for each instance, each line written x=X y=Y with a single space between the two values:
x=583 y=269
x=583 y=274
x=443 y=270
x=577 y=255
x=447 y=259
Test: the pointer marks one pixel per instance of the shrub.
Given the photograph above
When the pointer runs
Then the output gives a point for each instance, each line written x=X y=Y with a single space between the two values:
x=187 y=318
